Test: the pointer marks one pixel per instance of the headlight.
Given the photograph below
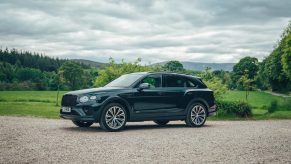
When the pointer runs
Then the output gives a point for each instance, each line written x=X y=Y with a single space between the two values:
x=84 y=99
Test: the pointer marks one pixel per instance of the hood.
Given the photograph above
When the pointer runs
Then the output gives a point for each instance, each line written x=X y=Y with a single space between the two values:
x=92 y=90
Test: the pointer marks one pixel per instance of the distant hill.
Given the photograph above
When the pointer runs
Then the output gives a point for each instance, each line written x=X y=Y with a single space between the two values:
x=197 y=66
x=90 y=63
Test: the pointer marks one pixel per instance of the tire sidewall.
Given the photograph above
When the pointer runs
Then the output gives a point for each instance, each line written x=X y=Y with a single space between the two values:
x=189 y=121
x=103 y=124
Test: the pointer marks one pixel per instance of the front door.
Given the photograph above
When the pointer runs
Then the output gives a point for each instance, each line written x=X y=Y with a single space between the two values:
x=149 y=100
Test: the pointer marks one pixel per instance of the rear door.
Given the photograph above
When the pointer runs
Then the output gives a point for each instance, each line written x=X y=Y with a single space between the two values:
x=174 y=87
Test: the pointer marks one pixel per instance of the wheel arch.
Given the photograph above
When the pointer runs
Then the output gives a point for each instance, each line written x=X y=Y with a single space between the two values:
x=120 y=101
x=198 y=100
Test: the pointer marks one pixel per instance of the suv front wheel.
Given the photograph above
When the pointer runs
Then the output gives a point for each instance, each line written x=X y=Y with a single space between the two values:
x=196 y=115
x=113 y=117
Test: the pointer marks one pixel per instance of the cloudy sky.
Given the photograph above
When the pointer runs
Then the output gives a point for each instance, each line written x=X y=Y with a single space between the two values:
x=201 y=31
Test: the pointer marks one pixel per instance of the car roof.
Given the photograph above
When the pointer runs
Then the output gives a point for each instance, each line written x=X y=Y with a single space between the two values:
x=167 y=73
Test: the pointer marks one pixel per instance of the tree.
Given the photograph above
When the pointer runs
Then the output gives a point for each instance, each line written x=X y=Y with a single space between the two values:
x=247 y=66
x=72 y=73
x=114 y=70
x=246 y=82
x=286 y=57
x=60 y=80
x=275 y=70
x=173 y=66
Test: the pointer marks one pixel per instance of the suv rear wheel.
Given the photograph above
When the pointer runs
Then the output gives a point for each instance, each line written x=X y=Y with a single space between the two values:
x=161 y=122
x=82 y=123
x=113 y=117
x=196 y=115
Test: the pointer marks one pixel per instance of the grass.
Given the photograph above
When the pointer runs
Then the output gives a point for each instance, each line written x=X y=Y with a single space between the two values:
x=259 y=102
x=255 y=99
x=43 y=104
x=29 y=103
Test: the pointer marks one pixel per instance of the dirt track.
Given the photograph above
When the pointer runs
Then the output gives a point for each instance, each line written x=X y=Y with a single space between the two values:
x=35 y=140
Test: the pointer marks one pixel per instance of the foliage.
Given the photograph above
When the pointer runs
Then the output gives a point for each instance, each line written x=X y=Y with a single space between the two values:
x=73 y=74
x=247 y=64
x=173 y=66
x=218 y=88
x=30 y=60
x=245 y=71
x=239 y=109
x=213 y=82
x=224 y=76
x=246 y=82
x=275 y=69
x=286 y=57
x=273 y=107
x=114 y=70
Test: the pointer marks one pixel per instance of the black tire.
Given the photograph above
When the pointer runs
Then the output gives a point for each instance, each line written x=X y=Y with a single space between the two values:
x=114 y=120
x=198 y=117
x=161 y=122
x=82 y=123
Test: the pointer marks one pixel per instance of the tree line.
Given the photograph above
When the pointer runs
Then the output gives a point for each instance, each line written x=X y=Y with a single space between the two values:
x=23 y=70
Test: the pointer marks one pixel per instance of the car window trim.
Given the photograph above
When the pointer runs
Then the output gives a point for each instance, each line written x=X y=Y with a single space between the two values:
x=139 y=80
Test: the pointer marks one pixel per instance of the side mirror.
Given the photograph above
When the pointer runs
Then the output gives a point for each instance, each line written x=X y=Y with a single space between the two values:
x=143 y=86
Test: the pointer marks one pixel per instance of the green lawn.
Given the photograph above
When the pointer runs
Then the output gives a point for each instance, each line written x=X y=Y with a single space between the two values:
x=43 y=104
x=255 y=99
x=29 y=103
x=259 y=102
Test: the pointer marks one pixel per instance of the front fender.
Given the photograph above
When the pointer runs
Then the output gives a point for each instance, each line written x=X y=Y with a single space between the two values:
x=117 y=99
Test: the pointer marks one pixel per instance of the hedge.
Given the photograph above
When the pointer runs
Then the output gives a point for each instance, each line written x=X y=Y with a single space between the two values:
x=239 y=109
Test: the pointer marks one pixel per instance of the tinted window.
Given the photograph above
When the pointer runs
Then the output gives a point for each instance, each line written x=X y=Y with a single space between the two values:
x=178 y=81
x=153 y=80
x=124 y=80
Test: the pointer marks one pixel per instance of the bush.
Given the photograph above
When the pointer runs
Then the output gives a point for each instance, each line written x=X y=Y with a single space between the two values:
x=273 y=107
x=286 y=105
x=238 y=109
x=217 y=86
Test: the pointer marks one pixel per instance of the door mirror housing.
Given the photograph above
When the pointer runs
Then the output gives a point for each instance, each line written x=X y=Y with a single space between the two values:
x=143 y=86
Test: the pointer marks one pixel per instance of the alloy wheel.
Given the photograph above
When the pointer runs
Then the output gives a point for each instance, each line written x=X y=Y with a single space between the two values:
x=115 y=117
x=198 y=115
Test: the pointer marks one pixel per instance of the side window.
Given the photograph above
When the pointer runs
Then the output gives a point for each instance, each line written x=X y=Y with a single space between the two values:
x=174 y=81
x=179 y=81
x=191 y=83
x=153 y=80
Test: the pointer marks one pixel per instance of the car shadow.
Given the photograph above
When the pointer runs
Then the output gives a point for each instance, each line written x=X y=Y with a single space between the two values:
x=97 y=128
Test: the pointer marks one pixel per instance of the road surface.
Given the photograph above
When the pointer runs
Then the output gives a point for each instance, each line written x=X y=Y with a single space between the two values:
x=37 y=140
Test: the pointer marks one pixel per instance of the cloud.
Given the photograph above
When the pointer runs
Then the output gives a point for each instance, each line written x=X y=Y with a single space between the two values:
x=201 y=31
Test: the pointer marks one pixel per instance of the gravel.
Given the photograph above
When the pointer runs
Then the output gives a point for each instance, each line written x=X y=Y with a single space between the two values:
x=36 y=140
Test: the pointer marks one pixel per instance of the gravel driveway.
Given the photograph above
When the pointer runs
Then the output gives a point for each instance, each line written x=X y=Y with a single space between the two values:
x=35 y=140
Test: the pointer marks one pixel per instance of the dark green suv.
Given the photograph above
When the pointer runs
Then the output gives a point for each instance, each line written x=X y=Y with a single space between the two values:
x=141 y=96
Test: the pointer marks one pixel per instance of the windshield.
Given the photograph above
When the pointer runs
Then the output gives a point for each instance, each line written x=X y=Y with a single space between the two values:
x=124 y=80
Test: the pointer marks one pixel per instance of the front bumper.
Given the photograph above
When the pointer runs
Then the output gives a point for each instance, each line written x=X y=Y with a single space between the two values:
x=77 y=118
x=81 y=113
x=212 y=110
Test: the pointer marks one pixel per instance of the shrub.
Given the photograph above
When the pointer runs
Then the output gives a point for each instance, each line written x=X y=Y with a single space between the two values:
x=273 y=107
x=238 y=109
x=217 y=86
x=286 y=105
